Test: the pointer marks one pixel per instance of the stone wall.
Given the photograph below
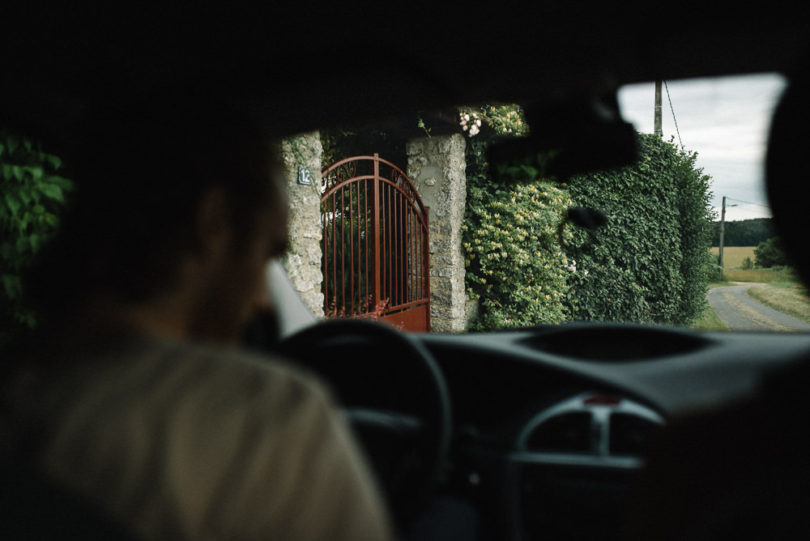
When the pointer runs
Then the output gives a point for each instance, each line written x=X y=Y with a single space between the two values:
x=303 y=259
x=437 y=167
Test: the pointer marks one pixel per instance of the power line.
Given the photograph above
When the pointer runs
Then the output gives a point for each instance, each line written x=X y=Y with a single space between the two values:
x=675 y=120
x=748 y=202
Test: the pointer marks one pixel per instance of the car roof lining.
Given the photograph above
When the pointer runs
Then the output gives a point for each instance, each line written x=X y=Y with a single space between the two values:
x=358 y=63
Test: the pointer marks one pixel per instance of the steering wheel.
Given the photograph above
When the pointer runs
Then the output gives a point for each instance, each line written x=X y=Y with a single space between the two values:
x=394 y=396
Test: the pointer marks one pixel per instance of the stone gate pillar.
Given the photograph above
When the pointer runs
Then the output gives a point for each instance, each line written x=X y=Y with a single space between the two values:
x=437 y=167
x=301 y=162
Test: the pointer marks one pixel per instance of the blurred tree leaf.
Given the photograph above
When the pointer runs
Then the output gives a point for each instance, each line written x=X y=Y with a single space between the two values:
x=32 y=196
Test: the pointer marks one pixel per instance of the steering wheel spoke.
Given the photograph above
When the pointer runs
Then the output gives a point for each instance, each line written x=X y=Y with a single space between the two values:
x=393 y=395
x=395 y=423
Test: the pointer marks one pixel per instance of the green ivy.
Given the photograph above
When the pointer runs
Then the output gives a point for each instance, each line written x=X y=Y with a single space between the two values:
x=696 y=229
x=650 y=263
x=32 y=195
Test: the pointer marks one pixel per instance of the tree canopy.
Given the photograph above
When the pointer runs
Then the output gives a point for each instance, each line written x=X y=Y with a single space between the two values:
x=743 y=232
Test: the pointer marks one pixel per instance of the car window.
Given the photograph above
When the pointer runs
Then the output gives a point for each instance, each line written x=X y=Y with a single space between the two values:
x=725 y=122
x=441 y=242
x=414 y=223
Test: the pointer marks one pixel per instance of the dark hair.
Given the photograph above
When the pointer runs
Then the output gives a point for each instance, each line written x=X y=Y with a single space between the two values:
x=140 y=168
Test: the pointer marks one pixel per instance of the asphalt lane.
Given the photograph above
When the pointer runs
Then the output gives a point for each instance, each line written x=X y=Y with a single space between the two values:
x=742 y=313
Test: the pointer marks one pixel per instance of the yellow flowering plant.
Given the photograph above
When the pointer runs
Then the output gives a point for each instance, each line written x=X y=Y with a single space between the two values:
x=648 y=263
x=516 y=267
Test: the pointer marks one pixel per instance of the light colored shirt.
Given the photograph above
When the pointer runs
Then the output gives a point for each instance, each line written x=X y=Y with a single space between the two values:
x=178 y=441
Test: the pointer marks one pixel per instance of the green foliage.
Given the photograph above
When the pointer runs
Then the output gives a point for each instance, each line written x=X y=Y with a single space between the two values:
x=770 y=253
x=501 y=120
x=695 y=227
x=743 y=232
x=347 y=226
x=420 y=123
x=32 y=195
x=515 y=265
x=716 y=272
x=650 y=263
x=604 y=291
x=532 y=166
x=343 y=143
x=747 y=264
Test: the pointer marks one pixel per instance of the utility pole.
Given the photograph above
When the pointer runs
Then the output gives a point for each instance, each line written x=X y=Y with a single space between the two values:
x=722 y=232
x=658 y=131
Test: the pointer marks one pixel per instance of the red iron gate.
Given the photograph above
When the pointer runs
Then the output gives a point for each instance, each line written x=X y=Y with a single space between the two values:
x=375 y=243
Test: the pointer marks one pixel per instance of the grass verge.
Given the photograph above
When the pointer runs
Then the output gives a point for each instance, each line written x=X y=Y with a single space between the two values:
x=789 y=298
x=709 y=321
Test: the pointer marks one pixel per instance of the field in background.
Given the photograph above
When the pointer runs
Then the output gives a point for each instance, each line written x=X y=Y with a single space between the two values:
x=781 y=275
x=733 y=256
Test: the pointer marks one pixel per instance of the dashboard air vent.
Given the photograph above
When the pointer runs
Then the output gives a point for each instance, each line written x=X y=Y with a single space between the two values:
x=567 y=432
x=630 y=435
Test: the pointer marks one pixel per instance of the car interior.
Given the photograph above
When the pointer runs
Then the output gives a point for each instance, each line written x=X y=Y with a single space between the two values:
x=542 y=432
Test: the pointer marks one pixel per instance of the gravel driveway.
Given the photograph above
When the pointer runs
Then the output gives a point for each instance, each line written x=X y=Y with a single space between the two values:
x=742 y=313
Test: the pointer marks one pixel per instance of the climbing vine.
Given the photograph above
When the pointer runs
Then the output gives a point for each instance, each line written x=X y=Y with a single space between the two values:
x=516 y=267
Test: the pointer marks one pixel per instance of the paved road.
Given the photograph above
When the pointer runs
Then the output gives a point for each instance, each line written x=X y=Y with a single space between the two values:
x=742 y=313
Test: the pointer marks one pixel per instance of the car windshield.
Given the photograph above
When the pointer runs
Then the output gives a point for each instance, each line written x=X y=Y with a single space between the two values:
x=427 y=224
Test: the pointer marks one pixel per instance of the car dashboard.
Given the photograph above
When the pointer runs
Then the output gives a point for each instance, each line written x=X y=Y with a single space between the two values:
x=552 y=424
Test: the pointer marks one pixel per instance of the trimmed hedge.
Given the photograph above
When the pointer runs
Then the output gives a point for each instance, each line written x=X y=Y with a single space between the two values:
x=651 y=262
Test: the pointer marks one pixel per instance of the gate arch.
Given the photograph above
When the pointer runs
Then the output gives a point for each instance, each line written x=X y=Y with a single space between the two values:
x=375 y=243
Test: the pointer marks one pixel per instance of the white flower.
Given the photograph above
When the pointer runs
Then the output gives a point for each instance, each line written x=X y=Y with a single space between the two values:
x=466 y=116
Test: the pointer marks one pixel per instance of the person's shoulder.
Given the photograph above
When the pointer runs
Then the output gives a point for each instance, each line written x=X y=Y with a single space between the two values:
x=246 y=373
x=245 y=361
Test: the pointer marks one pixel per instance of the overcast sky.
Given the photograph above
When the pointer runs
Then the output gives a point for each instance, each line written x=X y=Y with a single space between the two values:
x=725 y=120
